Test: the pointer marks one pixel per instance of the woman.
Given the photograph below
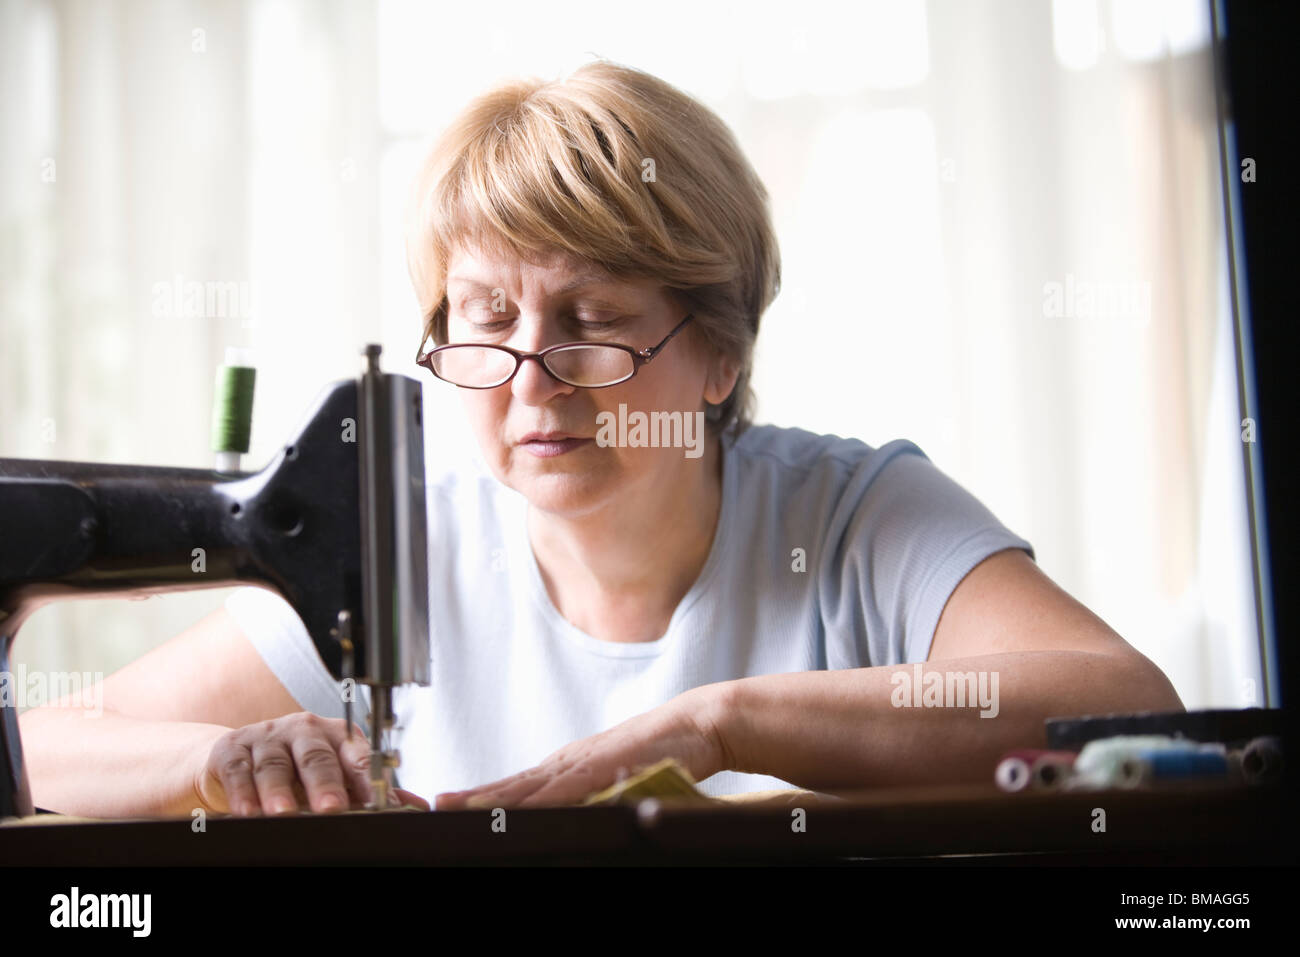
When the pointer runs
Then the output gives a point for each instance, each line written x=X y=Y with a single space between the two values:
x=634 y=572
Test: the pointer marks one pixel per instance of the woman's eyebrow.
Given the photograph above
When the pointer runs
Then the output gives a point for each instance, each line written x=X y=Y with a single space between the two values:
x=577 y=282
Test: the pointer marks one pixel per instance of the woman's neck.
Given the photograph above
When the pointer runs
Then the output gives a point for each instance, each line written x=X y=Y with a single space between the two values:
x=619 y=573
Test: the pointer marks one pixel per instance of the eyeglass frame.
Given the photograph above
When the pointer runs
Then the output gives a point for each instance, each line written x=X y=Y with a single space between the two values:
x=639 y=358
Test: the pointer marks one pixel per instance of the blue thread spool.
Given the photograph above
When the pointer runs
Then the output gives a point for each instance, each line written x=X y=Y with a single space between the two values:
x=1126 y=761
x=1147 y=767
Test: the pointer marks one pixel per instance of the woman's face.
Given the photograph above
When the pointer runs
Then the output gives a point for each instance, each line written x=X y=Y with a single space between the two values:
x=528 y=307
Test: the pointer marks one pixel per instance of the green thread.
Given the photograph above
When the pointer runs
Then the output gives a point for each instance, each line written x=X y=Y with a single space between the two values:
x=232 y=409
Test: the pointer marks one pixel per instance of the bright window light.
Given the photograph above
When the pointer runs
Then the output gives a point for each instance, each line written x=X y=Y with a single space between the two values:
x=1076 y=33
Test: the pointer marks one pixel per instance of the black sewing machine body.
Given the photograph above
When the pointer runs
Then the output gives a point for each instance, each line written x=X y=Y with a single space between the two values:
x=334 y=523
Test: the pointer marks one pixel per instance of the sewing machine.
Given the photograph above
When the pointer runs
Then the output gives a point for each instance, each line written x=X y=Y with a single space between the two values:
x=335 y=523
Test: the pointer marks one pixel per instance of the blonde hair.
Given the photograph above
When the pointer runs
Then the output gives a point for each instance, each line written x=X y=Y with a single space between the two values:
x=620 y=170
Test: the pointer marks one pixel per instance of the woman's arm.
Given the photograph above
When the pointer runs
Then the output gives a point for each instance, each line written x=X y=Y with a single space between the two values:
x=1043 y=653
x=841 y=730
x=161 y=714
x=113 y=765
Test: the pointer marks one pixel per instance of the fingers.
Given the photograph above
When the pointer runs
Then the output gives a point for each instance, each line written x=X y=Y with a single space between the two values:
x=231 y=762
x=414 y=800
x=508 y=792
x=322 y=776
x=298 y=762
x=274 y=776
x=569 y=788
x=354 y=758
x=332 y=766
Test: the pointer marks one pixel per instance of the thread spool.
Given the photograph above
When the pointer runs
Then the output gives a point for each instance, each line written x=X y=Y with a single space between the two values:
x=1035 y=768
x=1149 y=767
x=1053 y=770
x=1125 y=761
x=1261 y=760
x=1012 y=774
x=232 y=409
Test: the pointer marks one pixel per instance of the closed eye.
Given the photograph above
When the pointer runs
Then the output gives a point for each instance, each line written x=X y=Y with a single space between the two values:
x=496 y=324
x=597 y=322
x=584 y=320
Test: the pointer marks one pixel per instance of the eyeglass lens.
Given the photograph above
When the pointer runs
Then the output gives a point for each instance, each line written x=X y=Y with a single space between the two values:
x=581 y=365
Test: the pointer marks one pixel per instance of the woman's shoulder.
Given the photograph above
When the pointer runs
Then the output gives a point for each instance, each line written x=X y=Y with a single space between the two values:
x=796 y=454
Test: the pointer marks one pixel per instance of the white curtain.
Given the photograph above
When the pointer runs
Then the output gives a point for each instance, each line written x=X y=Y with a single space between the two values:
x=1000 y=221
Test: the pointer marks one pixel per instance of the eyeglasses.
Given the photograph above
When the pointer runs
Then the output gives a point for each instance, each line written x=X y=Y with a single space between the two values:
x=587 y=365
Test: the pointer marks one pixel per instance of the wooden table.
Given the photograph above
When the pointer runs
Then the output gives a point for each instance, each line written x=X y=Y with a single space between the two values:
x=1209 y=824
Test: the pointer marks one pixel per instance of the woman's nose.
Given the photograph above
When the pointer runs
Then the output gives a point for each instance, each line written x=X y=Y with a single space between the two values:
x=533 y=384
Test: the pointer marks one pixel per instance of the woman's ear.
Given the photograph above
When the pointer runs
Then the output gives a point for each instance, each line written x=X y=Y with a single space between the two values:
x=723 y=373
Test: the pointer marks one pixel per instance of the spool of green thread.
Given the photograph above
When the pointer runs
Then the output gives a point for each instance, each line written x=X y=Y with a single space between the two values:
x=232 y=411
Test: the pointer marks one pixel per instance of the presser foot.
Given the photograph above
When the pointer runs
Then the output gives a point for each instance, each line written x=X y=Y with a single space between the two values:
x=382 y=788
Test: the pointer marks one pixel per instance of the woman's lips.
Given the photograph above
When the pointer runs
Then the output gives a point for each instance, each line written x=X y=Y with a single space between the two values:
x=546 y=448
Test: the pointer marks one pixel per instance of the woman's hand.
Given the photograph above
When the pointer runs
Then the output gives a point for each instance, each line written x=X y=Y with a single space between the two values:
x=295 y=762
x=685 y=728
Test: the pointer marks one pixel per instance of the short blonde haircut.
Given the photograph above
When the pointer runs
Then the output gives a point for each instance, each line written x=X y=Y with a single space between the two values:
x=620 y=170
